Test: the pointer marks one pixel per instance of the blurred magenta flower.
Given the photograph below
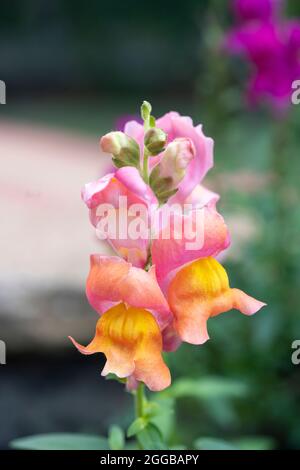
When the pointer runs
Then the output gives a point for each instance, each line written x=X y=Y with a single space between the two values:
x=122 y=120
x=272 y=46
x=247 y=10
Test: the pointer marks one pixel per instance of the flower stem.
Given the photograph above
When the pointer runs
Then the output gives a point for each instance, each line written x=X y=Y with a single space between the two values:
x=146 y=166
x=139 y=400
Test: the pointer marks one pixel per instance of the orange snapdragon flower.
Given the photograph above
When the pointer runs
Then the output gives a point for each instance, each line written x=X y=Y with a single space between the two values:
x=134 y=315
x=200 y=291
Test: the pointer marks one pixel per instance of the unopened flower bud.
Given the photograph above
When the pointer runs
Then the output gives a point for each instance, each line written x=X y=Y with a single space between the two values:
x=171 y=170
x=176 y=159
x=155 y=140
x=125 y=150
x=146 y=109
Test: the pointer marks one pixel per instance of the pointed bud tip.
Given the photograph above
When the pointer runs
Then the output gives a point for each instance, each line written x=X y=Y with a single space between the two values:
x=146 y=109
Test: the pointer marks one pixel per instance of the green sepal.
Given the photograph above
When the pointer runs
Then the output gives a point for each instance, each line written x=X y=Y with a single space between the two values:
x=116 y=438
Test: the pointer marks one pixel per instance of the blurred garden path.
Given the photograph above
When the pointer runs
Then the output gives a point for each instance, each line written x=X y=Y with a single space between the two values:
x=46 y=237
x=45 y=229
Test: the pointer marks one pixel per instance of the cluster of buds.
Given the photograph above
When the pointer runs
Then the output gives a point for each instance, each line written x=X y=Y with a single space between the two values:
x=174 y=157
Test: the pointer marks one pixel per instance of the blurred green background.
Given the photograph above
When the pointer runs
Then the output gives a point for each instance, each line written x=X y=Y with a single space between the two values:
x=71 y=70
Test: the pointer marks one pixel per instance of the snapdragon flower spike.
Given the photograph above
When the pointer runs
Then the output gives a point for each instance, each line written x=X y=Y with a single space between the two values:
x=201 y=290
x=134 y=314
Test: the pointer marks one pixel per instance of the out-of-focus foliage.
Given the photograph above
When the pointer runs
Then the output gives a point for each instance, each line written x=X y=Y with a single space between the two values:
x=257 y=352
x=116 y=45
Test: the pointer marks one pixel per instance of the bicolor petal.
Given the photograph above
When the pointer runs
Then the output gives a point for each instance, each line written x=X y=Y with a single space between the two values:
x=116 y=201
x=112 y=280
x=201 y=290
x=131 y=340
x=185 y=238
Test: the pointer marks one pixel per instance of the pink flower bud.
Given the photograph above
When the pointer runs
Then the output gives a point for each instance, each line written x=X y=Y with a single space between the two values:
x=176 y=159
x=125 y=150
x=171 y=170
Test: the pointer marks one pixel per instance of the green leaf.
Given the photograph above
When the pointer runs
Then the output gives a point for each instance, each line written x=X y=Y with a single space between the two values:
x=207 y=388
x=137 y=426
x=255 y=443
x=152 y=409
x=209 y=443
x=116 y=438
x=131 y=446
x=150 y=438
x=244 y=443
x=61 y=441
x=222 y=410
x=165 y=419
